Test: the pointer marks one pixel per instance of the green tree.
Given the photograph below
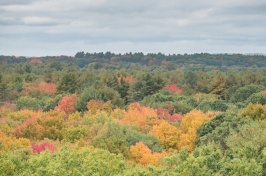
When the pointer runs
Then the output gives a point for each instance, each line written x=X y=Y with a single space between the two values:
x=28 y=103
x=259 y=98
x=248 y=141
x=4 y=93
x=217 y=129
x=56 y=66
x=66 y=161
x=132 y=137
x=28 y=68
x=123 y=89
x=48 y=103
x=102 y=93
x=68 y=83
x=111 y=138
x=145 y=85
x=218 y=86
x=243 y=93
x=214 y=105
x=190 y=78
x=80 y=54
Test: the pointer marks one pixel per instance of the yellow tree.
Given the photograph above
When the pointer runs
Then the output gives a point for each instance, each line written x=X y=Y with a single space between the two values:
x=12 y=143
x=168 y=134
x=94 y=106
x=188 y=126
x=254 y=112
x=118 y=113
x=140 y=153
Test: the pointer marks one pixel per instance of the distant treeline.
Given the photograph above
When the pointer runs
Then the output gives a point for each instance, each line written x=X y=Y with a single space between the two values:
x=82 y=59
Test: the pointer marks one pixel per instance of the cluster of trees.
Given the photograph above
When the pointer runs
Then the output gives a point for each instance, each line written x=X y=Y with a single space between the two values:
x=133 y=114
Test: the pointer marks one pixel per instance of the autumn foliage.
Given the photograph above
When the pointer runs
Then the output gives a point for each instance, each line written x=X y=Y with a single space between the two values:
x=142 y=116
x=140 y=153
x=47 y=87
x=35 y=88
x=128 y=79
x=133 y=114
x=188 y=126
x=67 y=104
x=11 y=143
x=35 y=60
x=263 y=91
x=29 y=129
x=50 y=126
x=95 y=106
x=167 y=134
x=38 y=148
x=173 y=88
x=24 y=114
x=254 y=112
x=175 y=117
x=164 y=113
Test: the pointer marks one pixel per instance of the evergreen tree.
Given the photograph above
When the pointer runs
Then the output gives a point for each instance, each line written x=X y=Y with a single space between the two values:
x=68 y=83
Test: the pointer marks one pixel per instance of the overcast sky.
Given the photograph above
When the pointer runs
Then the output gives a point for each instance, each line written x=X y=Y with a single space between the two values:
x=64 y=27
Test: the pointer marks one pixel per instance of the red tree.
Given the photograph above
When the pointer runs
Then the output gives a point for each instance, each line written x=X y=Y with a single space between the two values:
x=164 y=113
x=47 y=87
x=173 y=88
x=67 y=104
x=129 y=79
x=38 y=148
x=175 y=117
x=263 y=91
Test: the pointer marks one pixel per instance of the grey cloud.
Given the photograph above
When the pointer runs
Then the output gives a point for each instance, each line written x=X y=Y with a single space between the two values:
x=17 y=2
x=122 y=24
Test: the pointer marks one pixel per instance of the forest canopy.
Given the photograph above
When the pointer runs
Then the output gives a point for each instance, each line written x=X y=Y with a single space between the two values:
x=133 y=114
